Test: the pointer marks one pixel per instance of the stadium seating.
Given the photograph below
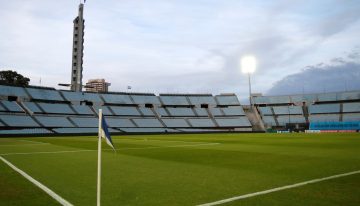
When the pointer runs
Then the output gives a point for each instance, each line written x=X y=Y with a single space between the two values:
x=146 y=111
x=182 y=112
x=33 y=107
x=11 y=106
x=124 y=111
x=46 y=110
x=18 y=121
x=117 y=99
x=151 y=122
x=201 y=100
x=174 y=100
x=227 y=100
x=197 y=122
x=44 y=94
x=83 y=109
x=233 y=111
x=176 y=123
x=58 y=121
x=56 y=108
x=201 y=112
x=145 y=99
x=7 y=91
x=324 y=108
x=351 y=107
x=233 y=122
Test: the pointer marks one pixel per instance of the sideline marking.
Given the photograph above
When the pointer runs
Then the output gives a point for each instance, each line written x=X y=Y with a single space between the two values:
x=279 y=188
x=55 y=196
x=129 y=148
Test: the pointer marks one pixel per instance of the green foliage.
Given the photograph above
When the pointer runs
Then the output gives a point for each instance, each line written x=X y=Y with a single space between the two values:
x=182 y=170
x=9 y=77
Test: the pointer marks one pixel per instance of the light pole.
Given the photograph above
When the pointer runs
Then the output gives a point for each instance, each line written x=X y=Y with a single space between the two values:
x=248 y=66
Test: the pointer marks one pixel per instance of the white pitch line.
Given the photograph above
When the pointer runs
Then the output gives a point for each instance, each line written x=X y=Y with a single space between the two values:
x=55 y=196
x=23 y=140
x=23 y=144
x=129 y=148
x=279 y=188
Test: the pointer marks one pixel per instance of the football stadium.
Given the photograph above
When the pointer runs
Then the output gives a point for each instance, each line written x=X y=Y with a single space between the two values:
x=68 y=146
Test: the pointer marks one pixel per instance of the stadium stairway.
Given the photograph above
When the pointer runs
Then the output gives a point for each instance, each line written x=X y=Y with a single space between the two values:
x=254 y=118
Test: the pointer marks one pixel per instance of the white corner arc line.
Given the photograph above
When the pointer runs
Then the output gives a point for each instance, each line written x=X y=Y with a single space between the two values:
x=55 y=196
x=279 y=189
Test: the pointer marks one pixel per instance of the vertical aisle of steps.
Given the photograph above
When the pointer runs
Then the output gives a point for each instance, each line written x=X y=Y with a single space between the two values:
x=254 y=118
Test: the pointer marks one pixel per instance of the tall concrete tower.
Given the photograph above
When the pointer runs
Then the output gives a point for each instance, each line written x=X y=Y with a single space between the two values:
x=78 y=51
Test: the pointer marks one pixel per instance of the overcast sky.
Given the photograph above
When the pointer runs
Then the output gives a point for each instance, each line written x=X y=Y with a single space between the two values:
x=188 y=46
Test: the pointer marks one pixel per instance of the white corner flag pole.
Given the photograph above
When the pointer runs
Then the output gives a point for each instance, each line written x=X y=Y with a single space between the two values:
x=99 y=161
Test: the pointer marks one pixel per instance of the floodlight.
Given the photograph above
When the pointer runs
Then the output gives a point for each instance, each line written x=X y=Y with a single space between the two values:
x=248 y=64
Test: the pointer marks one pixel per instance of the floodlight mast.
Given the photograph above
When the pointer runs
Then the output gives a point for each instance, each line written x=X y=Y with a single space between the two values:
x=248 y=66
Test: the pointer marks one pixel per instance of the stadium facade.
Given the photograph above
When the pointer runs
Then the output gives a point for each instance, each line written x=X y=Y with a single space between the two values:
x=41 y=110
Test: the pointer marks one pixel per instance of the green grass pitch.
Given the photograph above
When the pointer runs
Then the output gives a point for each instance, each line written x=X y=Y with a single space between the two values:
x=182 y=170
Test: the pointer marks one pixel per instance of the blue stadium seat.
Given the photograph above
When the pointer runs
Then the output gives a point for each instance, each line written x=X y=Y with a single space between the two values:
x=199 y=100
x=269 y=120
x=233 y=122
x=125 y=111
x=351 y=117
x=351 y=107
x=233 y=111
x=32 y=106
x=56 y=108
x=285 y=119
x=151 y=122
x=147 y=130
x=83 y=109
x=161 y=111
x=18 y=121
x=85 y=121
x=216 y=111
x=117 y=98
x=227 y=100
x=13 y=91
x=197 y=122
x=265 y=110
x=177 y=123
x=11 y=106
x=145 y=99
x=146 y=111
x=201 y=112
x=327 y=97
x=180 y=112
x=105 y=110
x=324 y=108
x=348 y=95
x=119 y=122
x=48 y=121
x=324 y=118
x=81 y=130
x=45 y=94
x=174 y=100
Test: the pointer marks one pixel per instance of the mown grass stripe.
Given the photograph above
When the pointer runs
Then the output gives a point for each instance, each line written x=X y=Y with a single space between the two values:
x=279 y=189
x=51 y=193
x=129 y=148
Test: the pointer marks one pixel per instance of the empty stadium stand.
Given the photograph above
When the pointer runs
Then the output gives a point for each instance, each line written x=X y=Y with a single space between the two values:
x=50 y=111
x=291 y=111
x=38 y=110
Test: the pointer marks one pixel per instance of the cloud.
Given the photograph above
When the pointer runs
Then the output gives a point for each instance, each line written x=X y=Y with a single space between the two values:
x=341 y=74
x=176 y=46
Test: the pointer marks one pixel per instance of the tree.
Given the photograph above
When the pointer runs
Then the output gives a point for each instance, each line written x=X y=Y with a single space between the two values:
x=13 y=78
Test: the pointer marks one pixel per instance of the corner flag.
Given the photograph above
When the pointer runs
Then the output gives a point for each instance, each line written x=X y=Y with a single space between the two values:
x=105 y=132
